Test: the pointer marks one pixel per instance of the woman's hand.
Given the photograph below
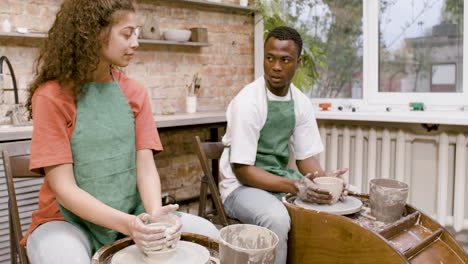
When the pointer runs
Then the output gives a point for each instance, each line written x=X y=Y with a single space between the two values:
x=174 y=232
x=149 y=237
x=145 y=237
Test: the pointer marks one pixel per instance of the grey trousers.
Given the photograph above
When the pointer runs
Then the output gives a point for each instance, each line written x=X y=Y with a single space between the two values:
x=59 y=242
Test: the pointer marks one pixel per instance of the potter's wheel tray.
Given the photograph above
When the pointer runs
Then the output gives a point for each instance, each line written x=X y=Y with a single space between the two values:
x=349 y=206
x=186 y=253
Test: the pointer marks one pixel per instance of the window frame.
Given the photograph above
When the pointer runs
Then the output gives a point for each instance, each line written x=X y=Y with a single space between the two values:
x=371 y=93
x=370 y=89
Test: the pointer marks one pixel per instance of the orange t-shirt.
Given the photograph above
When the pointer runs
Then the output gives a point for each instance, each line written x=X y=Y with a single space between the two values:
x=54 y=115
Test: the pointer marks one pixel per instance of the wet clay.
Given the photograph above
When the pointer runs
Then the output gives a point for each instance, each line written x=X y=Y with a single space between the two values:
x=242 y=244
x=387 y=199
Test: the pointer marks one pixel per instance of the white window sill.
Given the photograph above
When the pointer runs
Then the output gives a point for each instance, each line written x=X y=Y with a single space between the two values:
x=421 y=117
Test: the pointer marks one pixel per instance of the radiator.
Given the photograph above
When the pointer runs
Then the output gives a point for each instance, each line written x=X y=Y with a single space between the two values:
x=434 y=165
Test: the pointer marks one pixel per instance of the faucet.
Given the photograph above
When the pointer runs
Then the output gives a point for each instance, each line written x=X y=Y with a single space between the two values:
x=14 y=113
x=15 y=88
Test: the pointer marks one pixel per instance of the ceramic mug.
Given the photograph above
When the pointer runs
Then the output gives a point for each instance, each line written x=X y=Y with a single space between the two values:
x=334 y=185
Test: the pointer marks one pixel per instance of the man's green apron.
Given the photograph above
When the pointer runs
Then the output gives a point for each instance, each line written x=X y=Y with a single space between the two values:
x=103 y=148
x=272 y=149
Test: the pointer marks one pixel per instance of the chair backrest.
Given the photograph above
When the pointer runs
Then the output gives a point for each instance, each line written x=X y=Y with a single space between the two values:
x=207 y=151
x=15 y=157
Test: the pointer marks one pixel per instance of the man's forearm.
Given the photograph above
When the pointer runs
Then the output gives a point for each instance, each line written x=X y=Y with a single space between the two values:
x=310 y=165
x=255 y=177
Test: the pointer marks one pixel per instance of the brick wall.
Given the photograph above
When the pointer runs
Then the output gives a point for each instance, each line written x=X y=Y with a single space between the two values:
x=226 y=67
x=178 y=165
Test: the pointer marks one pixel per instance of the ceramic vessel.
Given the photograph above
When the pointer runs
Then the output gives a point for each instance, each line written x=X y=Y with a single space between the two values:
x=191 y=104
x=387 y=199
x=334 y=185
x=240 y=244
x=150 y=28
x=169 y=222
x=6 y=26
x=177 y=35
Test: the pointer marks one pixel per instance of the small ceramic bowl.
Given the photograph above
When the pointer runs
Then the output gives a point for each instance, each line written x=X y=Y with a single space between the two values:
x=334 y=185
x=177 y=35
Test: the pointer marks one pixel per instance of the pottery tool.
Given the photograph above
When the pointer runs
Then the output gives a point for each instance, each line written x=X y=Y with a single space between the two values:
x=197 y=83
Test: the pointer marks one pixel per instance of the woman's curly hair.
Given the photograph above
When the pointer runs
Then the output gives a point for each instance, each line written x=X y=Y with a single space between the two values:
x=70 y=54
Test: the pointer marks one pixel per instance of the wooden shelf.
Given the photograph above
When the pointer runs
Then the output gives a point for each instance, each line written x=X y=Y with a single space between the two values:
x=226 y=7
x=141 y=41
x=22 y=35
x=179 y=43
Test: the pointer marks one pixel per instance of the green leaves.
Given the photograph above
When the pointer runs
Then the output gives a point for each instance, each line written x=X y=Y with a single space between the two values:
x=275 y=13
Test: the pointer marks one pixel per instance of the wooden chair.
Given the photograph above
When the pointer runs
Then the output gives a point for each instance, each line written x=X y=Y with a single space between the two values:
x=16 y=162
x=210 y=151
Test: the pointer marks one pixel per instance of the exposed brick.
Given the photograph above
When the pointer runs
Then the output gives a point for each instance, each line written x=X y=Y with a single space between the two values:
x=226 y=67
x=33 y=9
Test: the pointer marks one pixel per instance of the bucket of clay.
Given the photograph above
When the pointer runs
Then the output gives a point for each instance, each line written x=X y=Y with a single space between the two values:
x=242 y=244
x=387 y=199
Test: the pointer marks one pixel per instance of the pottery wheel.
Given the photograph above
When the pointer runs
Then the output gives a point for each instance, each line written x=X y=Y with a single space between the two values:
x=186 y=253
x=348 y=206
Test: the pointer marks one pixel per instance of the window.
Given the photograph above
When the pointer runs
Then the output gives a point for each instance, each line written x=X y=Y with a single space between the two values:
x=384 y=51
x=444 y=78
x=420 y=51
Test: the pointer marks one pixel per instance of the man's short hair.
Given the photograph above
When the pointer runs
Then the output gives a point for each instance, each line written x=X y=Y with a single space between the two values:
x=287 y=33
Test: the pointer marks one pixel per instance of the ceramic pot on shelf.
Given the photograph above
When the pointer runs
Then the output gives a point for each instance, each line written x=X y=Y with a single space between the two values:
x=150 y=28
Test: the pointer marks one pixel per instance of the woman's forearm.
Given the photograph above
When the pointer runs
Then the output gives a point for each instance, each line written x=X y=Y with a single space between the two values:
x=149 y=184
x=81 y=203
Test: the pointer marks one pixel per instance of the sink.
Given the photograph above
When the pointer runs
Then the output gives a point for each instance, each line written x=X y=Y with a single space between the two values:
x=11 y=127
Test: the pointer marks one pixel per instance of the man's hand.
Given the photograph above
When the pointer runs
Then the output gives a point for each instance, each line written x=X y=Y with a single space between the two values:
x=339 y=174
x=309 y=192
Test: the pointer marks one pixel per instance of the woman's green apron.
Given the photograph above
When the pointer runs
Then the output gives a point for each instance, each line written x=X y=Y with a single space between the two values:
x=103 y=148
x=272 y=149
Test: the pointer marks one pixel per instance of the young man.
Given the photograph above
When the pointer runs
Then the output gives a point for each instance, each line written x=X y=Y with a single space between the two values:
x=262 y=119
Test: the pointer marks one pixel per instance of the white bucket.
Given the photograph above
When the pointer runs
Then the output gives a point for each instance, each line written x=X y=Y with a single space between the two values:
x=242 y=244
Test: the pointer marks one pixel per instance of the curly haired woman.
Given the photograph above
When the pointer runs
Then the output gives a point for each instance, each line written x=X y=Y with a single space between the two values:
x=94 y=139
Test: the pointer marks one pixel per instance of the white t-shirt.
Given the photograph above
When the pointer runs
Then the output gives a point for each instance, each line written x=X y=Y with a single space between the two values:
x=246 y=115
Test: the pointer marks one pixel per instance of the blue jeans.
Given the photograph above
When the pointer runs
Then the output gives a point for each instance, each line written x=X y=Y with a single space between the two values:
x=258 y=207
x=59 y=242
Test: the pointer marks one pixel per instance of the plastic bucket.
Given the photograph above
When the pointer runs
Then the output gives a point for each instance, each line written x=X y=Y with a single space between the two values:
x=242 y=244
x=387 y=199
